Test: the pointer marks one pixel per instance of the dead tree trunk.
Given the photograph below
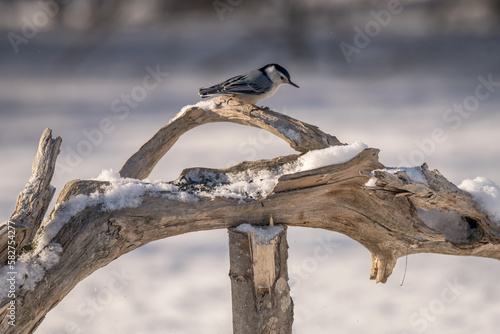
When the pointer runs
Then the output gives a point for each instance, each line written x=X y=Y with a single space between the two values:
x=96 y=221
x=259 y=280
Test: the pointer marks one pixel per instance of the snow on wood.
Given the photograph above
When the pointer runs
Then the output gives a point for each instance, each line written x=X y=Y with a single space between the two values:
x=487 y=195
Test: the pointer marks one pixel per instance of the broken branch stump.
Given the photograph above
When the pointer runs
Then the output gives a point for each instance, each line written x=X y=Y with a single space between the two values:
x=34 y=199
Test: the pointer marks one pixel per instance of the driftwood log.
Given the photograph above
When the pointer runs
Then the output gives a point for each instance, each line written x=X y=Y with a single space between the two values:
x=383 y=217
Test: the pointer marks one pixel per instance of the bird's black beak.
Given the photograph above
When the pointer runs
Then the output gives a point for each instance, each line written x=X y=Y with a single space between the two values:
x=291 y=83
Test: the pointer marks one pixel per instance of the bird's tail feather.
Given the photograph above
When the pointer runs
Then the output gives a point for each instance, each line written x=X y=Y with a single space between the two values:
x=204 y=92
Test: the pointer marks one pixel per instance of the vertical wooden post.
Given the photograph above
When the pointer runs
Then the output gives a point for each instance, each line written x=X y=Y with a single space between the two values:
x=259 y=280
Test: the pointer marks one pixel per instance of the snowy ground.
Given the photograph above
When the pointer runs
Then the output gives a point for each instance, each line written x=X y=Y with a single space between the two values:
x=393 y=96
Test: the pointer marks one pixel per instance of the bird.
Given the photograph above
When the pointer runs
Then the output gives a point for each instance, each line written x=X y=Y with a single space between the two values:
x=253 y=86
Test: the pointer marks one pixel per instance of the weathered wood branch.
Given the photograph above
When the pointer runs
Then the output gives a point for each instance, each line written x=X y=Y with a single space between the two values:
x=385 y=217
x=301 y=136
x=33 y=201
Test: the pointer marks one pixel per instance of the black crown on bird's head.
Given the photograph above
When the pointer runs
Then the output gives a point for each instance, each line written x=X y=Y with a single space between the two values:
x=278 y=67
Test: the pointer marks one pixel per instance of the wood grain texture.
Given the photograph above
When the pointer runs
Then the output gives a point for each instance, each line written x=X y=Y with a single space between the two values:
x=260 y=292
x=34 y=199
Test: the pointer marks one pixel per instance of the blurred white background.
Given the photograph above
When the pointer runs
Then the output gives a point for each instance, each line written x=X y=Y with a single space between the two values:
x=415 y=67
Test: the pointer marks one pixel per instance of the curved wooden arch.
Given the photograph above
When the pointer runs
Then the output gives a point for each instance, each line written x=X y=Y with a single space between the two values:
x=301 y=136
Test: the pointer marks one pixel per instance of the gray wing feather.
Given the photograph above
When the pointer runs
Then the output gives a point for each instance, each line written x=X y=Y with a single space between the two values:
x=253 y=82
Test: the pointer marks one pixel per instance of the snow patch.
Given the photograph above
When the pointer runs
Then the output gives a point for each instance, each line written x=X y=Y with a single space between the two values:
x=414 y=173
x=127 y=193
x=62 y=214
x=486 y=193
x=36 y=267
x=249 y=184
x=205 y=105
x=263 y=234
x=329 y=156
x=30 y=269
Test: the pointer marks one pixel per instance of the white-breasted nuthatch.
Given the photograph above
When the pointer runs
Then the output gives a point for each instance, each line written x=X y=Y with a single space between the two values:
x=253 y=86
